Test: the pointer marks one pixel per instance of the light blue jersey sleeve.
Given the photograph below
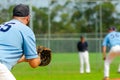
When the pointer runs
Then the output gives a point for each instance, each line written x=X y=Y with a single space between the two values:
x=29 y=42
x=29 y=47
x=105 y=41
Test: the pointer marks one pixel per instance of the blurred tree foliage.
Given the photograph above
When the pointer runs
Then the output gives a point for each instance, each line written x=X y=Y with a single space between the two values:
x=71 y=17
x=40 y=20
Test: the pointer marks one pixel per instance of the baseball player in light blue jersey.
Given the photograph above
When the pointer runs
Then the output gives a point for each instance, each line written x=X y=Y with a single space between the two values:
x=16 y=40
x=112 y=40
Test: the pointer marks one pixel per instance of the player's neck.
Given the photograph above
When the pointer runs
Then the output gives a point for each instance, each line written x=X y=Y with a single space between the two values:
x=21 y=19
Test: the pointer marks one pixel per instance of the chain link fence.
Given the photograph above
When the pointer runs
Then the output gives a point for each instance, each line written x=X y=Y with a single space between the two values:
x=68 y=42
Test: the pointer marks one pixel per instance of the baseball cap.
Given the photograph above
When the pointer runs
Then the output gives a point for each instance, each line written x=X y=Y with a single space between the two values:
x=21 y=10
x=112 y=28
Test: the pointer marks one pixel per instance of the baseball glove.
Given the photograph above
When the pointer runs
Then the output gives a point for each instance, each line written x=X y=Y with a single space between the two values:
x=45 y=55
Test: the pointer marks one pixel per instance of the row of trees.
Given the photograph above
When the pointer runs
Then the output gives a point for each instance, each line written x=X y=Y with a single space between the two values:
x=71 y=17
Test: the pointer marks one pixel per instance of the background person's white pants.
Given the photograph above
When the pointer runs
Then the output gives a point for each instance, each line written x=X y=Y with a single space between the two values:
x=5 y=74
x=115 y=51
x=84 y=59
x=119 y=68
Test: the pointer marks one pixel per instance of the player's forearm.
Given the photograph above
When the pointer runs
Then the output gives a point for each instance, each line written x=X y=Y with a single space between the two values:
x=33 y=62
x=22 y=59
x=104 y=52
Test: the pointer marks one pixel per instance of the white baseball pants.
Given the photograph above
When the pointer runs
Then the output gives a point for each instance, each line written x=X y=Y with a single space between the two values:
x=5 y=74
x=84 y=59
x=119 y=68
x=115 y=51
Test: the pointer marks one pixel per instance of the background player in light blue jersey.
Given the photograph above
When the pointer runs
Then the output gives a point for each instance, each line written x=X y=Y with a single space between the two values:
x=16 y=40
x=112 y=40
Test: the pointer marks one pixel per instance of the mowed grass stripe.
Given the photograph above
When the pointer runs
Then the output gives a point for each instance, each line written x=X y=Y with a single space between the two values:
x=65 y=66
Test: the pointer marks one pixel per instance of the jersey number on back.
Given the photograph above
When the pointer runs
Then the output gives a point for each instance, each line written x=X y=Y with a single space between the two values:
x=115 y=36
x=5 y=27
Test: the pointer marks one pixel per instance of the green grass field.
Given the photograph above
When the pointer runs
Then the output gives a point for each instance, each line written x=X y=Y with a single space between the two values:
x=65 y=66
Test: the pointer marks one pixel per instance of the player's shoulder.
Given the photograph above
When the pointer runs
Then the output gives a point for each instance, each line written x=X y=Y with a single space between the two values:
x=112 y=33
x=20 y=26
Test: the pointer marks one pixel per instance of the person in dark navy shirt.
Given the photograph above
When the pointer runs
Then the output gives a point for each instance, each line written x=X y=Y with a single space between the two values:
x=82 y=47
